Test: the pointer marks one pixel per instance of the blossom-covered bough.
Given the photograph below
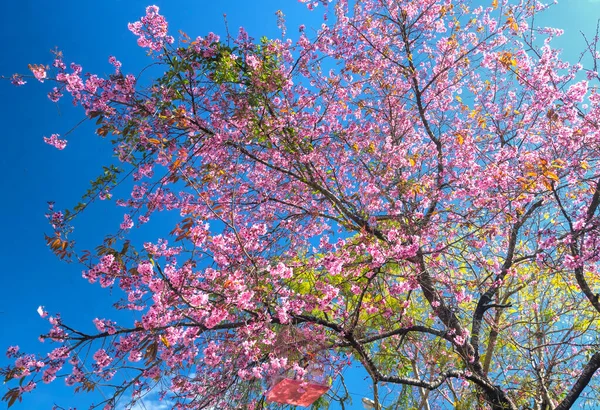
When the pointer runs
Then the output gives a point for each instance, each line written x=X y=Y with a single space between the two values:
x=412 y=187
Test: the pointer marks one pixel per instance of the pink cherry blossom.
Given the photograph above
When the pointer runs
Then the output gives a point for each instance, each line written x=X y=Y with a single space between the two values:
x=56 y=142
x=409 y=187
x=17 y=80
x=39 y=72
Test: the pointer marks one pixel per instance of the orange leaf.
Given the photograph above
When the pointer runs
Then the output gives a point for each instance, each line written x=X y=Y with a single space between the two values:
x=165 y=341
x=552 y=176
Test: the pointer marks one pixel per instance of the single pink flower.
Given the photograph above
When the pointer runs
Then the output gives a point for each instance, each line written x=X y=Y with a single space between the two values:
x=41 y=311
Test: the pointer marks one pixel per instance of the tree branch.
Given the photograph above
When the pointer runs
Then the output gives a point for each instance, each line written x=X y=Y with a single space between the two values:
x=581 y=383
x=485 y=299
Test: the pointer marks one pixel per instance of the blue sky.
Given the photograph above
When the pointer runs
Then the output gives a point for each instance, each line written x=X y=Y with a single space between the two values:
x=88 y=32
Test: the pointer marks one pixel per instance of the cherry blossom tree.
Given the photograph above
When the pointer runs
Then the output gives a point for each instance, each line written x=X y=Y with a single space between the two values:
x=412 y=187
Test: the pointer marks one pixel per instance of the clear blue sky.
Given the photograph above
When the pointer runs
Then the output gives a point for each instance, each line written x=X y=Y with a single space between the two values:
x=88 y=32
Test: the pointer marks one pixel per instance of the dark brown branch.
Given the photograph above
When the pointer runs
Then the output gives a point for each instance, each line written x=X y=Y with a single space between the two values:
x=356 y=314
x=581 y=383
x=401 y=332
x=595 y=202
x=585 y=288
x=576 y=251
x=445 y=314
x=423 y=117
x=497 y=398
x=485 y=301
